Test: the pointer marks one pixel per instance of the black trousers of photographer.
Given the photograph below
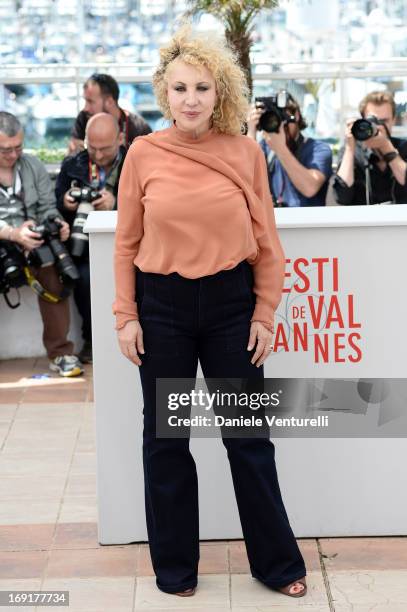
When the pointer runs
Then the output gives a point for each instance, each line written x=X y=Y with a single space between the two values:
x=207 y=318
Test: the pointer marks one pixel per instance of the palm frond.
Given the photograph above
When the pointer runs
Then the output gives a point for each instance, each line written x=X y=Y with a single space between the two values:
x=237 y=17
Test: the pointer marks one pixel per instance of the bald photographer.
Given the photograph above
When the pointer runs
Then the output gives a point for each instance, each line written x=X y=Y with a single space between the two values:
x=89 y=181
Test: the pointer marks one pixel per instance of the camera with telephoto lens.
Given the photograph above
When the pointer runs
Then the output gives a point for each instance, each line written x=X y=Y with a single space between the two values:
x=12 y=262
x=53 y=251
x=366 y=128
x=275 y=111
x=79 y=240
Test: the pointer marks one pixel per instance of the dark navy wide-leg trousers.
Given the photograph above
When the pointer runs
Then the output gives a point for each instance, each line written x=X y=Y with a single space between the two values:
x=207 y=318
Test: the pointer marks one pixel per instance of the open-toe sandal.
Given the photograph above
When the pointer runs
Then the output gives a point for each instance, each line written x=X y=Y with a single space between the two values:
x=186 y=593
x=286 y=589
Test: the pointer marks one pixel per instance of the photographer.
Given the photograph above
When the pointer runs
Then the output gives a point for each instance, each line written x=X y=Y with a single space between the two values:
x=26 y=199
x=372 y=167
x=89 y=181
x=298 y=167
x=101 y=93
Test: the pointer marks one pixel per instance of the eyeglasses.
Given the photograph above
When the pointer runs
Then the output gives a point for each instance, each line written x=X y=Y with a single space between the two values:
x=10 y=150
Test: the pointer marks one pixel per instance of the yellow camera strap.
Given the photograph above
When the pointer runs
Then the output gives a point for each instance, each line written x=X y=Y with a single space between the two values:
x=39 y=289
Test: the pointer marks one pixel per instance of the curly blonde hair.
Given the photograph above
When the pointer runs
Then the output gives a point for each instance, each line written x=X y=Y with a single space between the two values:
x=211 y=51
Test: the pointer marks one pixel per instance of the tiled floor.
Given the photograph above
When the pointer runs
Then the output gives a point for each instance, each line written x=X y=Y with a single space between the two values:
x=48 y=529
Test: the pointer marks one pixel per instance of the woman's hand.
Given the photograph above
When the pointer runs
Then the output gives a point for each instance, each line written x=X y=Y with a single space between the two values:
x=130 y=339
x=263 y=337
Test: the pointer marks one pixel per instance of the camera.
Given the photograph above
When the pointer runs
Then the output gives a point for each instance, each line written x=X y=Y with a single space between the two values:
x=84 y=194
x=12 y=264
x=366 y=128
x=53 y=251
x=79 y=240
x=275 y=111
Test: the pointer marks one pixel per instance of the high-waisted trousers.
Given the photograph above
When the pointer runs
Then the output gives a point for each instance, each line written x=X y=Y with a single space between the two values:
x=206 y=318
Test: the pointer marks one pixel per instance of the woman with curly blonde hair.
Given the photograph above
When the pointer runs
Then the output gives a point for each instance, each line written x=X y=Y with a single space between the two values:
x=199 y=273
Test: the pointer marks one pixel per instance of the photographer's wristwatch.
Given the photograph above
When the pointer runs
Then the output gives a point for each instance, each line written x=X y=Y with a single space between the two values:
x=388 y=157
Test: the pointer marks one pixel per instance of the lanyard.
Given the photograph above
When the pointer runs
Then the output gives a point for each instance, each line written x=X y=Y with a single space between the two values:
x=125 y=131
x=13 y=191
x=97 y=176
x=280 y=199
x=271 y=162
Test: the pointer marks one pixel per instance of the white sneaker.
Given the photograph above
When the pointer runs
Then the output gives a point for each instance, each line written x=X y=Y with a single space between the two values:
x=66 y=365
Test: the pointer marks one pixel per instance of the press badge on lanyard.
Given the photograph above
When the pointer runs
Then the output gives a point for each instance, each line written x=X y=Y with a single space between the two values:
x=97 y=176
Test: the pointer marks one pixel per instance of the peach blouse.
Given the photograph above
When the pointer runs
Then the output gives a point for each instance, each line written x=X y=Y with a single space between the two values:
x=196 y=206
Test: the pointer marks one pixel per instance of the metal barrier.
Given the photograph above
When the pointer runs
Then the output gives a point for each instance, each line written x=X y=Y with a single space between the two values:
x=309 y=75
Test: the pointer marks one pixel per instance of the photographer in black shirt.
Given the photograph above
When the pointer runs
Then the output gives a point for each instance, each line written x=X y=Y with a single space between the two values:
x=372 y=167
x=101 y=94
x=89 y=181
